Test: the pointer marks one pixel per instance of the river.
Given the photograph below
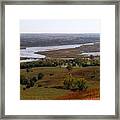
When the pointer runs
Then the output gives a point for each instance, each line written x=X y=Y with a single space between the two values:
x=29 y=52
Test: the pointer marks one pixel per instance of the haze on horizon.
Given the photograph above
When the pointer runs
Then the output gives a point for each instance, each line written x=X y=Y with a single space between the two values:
x=60 y=26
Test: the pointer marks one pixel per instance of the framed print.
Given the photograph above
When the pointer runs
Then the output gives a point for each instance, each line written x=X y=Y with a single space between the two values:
x=60 y=60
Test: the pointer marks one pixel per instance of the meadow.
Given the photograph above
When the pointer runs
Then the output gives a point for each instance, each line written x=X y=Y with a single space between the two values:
x=50 y=83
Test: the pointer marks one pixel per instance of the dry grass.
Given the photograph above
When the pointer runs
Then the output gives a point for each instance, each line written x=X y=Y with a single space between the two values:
x=90 y=94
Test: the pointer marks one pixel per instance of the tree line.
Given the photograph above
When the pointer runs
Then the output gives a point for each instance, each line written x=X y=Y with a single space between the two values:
x=80 y=62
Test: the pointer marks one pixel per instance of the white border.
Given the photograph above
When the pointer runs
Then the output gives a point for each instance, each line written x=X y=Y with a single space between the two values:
x=15 y=106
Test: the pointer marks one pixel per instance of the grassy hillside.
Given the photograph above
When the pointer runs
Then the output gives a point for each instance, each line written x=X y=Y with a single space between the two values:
x=51 y=85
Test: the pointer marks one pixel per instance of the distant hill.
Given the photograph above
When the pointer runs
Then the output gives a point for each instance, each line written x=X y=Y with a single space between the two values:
x=46 y=39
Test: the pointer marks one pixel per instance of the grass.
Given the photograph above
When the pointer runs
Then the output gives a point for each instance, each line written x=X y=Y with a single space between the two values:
x=53 y=78
x=42 y=93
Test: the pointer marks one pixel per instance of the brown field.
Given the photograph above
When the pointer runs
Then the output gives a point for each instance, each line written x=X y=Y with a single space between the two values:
x=71 y=52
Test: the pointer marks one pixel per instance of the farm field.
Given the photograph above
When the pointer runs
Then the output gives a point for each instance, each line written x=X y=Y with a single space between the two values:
x=51 y=85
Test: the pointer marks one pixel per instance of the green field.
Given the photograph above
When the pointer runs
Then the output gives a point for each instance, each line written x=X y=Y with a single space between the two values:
x=51 y=86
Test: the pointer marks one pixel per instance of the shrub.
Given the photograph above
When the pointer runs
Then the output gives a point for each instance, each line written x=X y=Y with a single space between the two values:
x=81 y=85
x=75 y=83
x=40 y=76
x=34 y=79
x=31 y=83
x=39 y=85
x=24 y=88
x=23 y=80
x=68 y=82
x=51 y=74
x=69 y=67
x=27 y=70
x=28 y=86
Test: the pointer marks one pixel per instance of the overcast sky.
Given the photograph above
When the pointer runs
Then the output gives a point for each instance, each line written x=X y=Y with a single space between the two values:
x=60 y=26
